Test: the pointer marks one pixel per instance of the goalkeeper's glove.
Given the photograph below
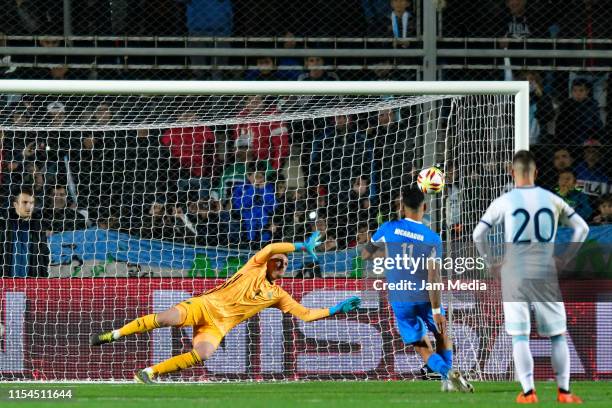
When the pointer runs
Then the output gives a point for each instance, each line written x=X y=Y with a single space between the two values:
x=309 y=246
x=347 y=305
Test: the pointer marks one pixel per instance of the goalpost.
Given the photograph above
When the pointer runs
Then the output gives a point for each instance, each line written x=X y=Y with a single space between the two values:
x=141 y=191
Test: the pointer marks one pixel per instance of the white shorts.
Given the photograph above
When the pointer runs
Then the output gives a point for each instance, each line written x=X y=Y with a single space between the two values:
x=550 y=317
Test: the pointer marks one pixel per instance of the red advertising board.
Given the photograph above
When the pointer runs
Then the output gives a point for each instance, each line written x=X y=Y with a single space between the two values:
x=47 y=323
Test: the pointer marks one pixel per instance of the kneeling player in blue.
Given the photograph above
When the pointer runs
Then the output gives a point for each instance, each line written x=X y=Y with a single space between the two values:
x=410 y=249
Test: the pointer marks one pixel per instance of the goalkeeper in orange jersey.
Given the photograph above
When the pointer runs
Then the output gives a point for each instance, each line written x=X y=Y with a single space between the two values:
x=214 y=313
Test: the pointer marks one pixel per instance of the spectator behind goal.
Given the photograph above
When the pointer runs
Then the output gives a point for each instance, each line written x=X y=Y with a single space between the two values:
x=592 y=173
x=562 y=160
x=25 y=252
x=578 y=118
x=604 y=211
x=566 y=189
x=194 y=148
x=62 y=215
x=255 y=201
x=315 y=72
x=402 y=22
x=268 y=140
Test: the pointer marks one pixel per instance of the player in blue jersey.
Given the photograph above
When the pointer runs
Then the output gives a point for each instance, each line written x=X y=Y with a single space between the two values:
x=410 y=247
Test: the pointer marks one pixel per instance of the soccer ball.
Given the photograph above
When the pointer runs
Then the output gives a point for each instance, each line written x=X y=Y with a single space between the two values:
x=431 y=180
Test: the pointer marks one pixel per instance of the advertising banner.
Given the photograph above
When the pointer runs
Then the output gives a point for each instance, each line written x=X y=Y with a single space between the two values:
x=46 y=324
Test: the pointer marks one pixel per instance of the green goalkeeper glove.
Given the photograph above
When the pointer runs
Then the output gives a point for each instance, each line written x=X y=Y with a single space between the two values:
x=347 y=305
x=309 y=246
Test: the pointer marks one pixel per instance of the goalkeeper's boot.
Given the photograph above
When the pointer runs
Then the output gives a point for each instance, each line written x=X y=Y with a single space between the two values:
x=459 y=383
x=143 y=377
x=568 y=398
x=529 y=398
x=101 y=338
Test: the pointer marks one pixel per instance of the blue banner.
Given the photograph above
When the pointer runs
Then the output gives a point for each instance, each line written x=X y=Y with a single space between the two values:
x=103 y=246
x=600 y=234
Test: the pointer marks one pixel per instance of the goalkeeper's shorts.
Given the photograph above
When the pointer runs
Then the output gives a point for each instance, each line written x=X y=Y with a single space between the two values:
x=194 y=313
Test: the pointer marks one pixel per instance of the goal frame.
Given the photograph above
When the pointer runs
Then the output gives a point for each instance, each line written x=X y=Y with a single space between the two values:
x=518 y=89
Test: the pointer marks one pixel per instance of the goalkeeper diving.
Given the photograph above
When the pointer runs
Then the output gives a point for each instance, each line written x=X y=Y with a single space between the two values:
x=214 y=313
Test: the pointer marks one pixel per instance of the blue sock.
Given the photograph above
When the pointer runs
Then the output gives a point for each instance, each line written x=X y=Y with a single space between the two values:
x=447 y=356
x=437 y=364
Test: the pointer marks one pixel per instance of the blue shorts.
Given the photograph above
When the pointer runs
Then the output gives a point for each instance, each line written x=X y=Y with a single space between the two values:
x=413 y=320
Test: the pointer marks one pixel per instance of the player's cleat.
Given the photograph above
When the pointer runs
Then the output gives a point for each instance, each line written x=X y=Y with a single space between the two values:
x=531 y=398
x=428 y=373
x=568 y=398
x=143 y=377
x=447 y=386
x=458 y=382
x=101 y=338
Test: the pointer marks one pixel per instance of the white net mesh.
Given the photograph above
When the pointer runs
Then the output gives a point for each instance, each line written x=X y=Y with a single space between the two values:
x=100 y=112
x=143 y=202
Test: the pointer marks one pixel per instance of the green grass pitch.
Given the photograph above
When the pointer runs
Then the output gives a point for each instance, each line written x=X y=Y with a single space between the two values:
x=297 y=394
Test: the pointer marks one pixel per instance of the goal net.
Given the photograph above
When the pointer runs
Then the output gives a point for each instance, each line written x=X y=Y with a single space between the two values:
x=141 y=201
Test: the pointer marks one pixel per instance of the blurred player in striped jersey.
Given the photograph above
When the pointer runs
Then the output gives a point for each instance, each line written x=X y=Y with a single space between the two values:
x=216 y=312
x=530 y=216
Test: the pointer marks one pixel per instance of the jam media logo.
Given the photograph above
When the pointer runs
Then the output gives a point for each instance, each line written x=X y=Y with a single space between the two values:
x=423 y=285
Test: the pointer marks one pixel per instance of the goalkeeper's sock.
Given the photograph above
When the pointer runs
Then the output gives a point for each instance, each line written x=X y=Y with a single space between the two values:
x=176 y=363
x=447 y=356
x=560 y=361
x=523 y=362
x=141 y=325
x=437 y=364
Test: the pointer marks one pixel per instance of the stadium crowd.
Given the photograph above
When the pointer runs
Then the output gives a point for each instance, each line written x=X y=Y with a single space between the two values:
x=399 y=21
x=227 y=186
x=314 y=18
x=209 y=185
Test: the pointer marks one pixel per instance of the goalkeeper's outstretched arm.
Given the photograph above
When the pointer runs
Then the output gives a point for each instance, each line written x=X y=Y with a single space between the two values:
x=286 y=303
x=289 y=305
x=284 y=247
x=273 y=249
